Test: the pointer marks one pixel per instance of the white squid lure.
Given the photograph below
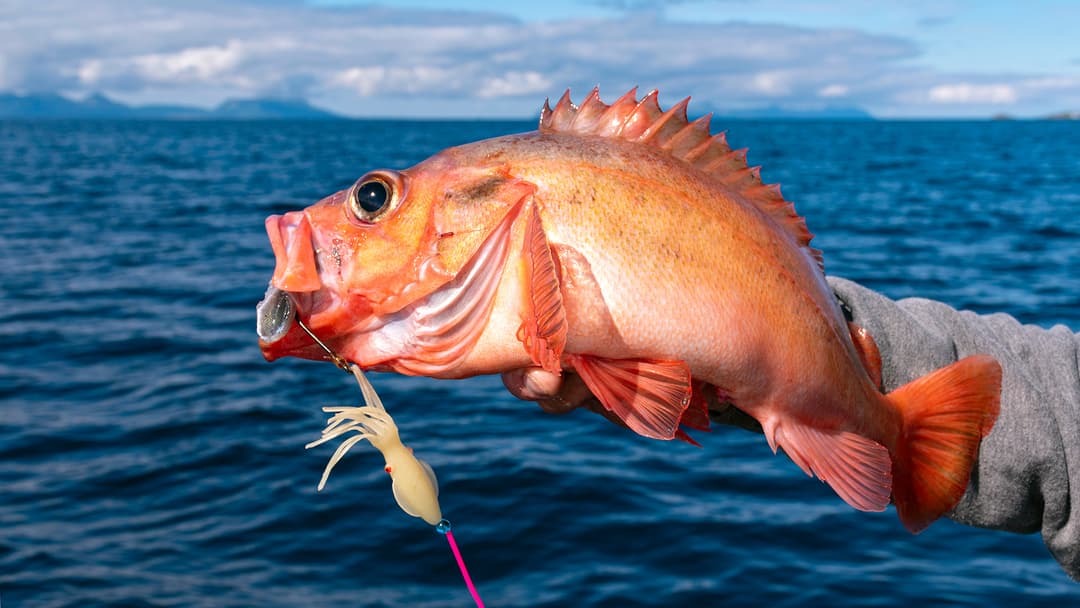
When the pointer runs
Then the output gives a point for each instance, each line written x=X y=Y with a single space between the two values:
x=416 y=489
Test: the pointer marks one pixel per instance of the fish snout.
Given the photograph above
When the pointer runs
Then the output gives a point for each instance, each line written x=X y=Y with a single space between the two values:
x=295 y=270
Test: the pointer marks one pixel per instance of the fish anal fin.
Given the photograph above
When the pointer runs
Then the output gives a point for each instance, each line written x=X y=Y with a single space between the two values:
x=543 y=325
x=644 y=122
x=649 y=396
x=868 y=352
x=946 y=414
x=858 y=469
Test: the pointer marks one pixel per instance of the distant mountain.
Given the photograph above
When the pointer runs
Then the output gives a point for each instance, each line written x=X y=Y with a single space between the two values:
x=1064 y=116
x=97 y=106
x=247 y=109
x=53 y=106
x=775 y=112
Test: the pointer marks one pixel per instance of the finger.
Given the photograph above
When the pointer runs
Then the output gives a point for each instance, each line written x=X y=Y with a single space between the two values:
x=532 y=383
x=572 y=394
x=555 y=393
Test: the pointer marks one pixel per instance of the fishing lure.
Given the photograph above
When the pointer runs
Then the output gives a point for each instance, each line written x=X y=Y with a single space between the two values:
x=415 y=487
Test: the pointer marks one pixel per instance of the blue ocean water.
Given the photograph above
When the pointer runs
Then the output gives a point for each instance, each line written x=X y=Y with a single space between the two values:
x=150 y=457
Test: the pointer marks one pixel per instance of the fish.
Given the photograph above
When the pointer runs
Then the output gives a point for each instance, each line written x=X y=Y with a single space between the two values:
x=632 y=247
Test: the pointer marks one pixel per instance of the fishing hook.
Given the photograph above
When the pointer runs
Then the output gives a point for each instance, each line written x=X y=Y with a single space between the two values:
x=337 y=359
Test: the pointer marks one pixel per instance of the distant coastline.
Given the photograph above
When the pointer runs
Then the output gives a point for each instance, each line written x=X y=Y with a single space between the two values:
x=1064 y=116
x=100 y=107
x=1054 y=116
x=52 y=106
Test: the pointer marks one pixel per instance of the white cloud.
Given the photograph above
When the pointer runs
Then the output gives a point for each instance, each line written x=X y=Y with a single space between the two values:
x=969 y=93
x=204 y=51
x=771 y=83
x=221 y=50
x=90 y=71
x=833 y=90
x=194 y=63
x=513 y=84
x=1051 y=83
x=380 y=80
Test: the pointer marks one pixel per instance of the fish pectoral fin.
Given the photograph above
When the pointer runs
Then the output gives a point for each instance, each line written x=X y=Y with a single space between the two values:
x=543 y=325
x=858 y=469
x=649 y=396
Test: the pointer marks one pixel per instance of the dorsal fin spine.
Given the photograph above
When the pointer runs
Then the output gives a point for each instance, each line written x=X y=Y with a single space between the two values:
x=646 y=111
x=663 y=125
x=644 y=122
x=563 y=114
x=693 y=137
x=610 y=123
x=589 y=112
x=545 y=115
x=711 y=149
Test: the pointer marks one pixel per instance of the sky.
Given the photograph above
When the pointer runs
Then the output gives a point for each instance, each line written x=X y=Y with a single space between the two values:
x=472 y=58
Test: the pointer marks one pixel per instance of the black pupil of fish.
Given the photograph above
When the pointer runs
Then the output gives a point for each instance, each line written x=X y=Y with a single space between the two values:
x=372 y=196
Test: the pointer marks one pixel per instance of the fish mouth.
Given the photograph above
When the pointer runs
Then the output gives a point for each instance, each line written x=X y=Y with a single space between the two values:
x=295 y=292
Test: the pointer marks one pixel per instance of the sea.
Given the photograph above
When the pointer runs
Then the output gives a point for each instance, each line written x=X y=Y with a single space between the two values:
x=149 y=456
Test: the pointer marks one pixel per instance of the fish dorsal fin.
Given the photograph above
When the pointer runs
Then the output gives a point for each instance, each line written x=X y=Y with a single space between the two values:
x=644 y=122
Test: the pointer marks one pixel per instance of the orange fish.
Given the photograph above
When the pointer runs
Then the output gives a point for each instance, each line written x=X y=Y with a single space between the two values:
x=628 y=244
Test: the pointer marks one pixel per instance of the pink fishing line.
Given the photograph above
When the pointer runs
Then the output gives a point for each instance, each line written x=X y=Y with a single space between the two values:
x=464 y=571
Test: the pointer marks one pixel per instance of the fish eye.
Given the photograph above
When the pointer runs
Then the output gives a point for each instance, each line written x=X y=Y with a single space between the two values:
x=371 y=197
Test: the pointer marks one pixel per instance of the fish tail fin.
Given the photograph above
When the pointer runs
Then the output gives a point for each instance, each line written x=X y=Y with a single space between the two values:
x=945 y=416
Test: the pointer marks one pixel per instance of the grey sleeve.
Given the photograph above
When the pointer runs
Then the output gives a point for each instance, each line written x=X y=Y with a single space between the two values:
x=1021 y=482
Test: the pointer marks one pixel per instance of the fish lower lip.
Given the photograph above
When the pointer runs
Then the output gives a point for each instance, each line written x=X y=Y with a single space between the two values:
x=274 y=315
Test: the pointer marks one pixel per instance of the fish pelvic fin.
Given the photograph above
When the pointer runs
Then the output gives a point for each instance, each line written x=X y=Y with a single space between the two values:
x=543 y=325
x=644 y=122
x=858 y=469
x=649 y=396
x=946 y=414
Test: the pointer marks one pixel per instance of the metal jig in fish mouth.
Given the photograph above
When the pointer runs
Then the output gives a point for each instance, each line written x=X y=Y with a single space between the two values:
x=337 y=359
